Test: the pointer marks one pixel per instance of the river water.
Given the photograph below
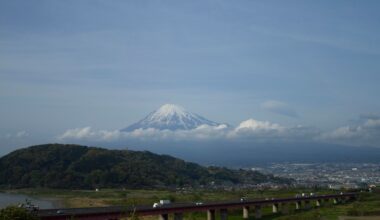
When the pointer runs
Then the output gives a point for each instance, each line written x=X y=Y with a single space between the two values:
x=7 y=199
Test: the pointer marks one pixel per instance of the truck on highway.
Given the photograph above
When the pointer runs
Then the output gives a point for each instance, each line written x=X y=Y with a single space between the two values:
x=161 y=203
x=164 y=202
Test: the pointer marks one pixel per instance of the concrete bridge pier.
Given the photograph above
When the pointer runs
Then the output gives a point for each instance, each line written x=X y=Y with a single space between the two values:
x=298 y=205
x=163 y=216
x=211 y=214
x=336 y=200
x=275 y=207
x=318 y=202
x=223 y=214
x=245 y=212
x=178 y=216
x=258 y=211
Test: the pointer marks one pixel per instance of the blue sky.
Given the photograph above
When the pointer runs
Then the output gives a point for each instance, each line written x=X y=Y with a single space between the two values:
x=106 y=64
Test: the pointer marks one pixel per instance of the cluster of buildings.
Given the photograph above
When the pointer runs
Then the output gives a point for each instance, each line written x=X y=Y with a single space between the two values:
x=327 y=175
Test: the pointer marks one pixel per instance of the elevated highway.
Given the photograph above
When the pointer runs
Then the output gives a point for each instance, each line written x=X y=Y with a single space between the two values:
x=177 y=209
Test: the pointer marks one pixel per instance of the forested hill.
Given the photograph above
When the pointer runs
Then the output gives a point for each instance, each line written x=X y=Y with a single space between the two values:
x=74 y=167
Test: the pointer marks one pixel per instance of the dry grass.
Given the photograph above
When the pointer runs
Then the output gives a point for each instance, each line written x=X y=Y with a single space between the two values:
x=86 y=202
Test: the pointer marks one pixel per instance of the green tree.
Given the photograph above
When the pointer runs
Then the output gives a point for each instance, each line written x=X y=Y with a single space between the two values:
x=16 y=213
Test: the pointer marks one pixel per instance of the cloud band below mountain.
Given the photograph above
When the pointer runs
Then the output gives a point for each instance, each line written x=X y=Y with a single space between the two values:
x=366 y=133
x=249 y=129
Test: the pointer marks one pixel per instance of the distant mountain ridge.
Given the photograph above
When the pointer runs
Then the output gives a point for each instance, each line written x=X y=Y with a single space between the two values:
x=171 y=117
x=79 y=167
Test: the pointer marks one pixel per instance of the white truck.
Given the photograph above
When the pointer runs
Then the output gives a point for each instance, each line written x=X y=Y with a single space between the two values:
x=161 y=203
x=164 y=202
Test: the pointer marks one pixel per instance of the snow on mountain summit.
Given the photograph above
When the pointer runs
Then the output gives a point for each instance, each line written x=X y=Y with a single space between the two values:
x=171 y=117
x=169 y=110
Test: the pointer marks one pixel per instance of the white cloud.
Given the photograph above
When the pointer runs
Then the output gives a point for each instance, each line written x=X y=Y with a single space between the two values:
x=87 y=133
x=253 y=128
x=199 y=133
x=372 y=124
x=254 y=125
x=250 y=129
x=16 y=135
x=366 y=133
x=265 y=130
x=280 y=108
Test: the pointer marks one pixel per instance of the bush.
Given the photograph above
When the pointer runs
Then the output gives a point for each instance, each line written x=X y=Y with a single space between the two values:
x=356 y=210
x=16 y=213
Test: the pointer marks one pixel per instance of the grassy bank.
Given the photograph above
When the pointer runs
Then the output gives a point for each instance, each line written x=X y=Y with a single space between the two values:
x=105 y=197
x=367 y=204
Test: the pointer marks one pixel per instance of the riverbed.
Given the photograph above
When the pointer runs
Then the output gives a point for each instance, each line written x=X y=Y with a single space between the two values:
x=7 y=199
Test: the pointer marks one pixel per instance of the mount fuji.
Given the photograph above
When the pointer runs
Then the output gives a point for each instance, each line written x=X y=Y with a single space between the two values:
x=171 y=117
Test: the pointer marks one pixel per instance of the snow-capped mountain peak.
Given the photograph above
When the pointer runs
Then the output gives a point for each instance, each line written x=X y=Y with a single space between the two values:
x=169 y=110
x=171 y=117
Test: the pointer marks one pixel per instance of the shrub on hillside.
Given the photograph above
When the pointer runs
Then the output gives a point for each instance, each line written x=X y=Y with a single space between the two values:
x=16 y=213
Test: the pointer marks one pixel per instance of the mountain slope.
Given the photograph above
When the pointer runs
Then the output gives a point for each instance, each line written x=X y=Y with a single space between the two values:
x=171 y=117
x=74 y=166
